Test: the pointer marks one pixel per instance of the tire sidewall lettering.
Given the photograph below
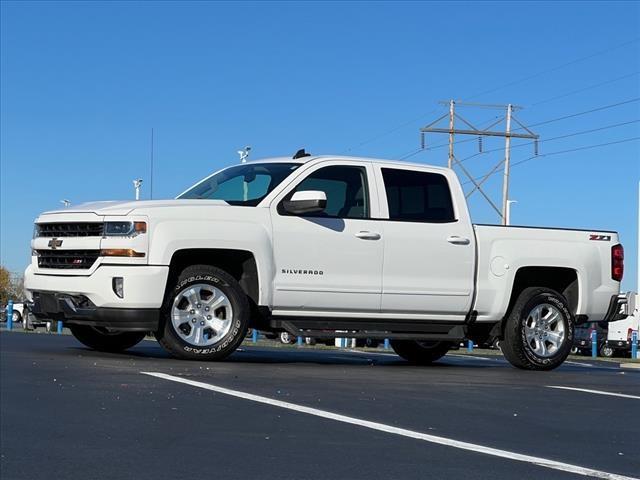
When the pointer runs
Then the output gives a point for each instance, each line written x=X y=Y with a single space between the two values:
x=566 y=318
x=233 y=333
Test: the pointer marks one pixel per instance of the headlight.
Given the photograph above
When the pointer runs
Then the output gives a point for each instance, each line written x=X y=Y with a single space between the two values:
x=124 y=229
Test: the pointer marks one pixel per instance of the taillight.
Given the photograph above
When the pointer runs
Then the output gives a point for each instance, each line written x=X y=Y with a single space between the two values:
x=617 y=262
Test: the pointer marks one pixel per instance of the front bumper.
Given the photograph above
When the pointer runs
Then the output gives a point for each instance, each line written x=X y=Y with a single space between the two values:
x=585 y=344
x=144 y=285
x=619 y=344
x=90 y=299
x=78 y=310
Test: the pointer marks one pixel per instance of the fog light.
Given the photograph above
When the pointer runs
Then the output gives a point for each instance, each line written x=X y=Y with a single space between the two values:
x=118 y=286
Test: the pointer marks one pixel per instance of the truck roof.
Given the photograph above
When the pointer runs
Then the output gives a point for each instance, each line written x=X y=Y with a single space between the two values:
x=343 y=157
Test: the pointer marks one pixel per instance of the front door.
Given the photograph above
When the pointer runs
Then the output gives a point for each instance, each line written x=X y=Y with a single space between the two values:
x=329 y=262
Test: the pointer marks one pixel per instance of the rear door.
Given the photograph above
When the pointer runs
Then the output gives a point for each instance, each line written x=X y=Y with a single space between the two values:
x=429 y=247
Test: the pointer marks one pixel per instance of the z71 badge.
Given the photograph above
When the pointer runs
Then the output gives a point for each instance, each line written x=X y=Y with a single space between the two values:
x=600 y=238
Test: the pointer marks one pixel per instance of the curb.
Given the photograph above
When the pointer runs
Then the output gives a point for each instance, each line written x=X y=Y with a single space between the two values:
x=630 y=365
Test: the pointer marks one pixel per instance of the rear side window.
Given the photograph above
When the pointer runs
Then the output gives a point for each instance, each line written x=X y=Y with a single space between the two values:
x=418 y=196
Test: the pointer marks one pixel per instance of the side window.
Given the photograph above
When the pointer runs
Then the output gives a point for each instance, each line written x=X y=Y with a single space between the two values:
x=417 y=196
x=345 y=187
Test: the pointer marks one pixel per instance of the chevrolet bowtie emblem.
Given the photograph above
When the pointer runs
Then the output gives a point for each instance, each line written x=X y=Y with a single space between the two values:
x=54 y=243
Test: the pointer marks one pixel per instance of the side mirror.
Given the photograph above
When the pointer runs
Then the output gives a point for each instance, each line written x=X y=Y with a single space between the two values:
x=309 y=201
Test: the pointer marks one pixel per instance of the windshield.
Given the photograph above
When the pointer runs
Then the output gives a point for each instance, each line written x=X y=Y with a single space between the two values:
x=244 y=185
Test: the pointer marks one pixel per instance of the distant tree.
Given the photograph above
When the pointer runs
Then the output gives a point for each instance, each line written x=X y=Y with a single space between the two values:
x=10 y=287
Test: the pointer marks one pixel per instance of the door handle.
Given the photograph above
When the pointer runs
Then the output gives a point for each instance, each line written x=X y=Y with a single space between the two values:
x=456 y=240
x=364 y=235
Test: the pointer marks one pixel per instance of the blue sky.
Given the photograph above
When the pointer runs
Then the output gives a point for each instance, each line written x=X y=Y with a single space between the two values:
x=83 y=84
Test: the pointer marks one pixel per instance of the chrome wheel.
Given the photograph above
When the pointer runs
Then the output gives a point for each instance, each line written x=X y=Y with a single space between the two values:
x=201 y=314
x=544 y=330
x=607 y=351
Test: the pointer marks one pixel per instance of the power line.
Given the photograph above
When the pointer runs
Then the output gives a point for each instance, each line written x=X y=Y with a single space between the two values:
x=559 y=67
x=607 y=82
x=457 y=142
x=388 y=132
x=573 y=134
x=576 y=149
x=601 y=52
x=586 y=112
x=545 y=122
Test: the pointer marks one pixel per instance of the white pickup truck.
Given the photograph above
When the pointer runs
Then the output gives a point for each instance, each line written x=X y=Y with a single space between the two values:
x=319 y=246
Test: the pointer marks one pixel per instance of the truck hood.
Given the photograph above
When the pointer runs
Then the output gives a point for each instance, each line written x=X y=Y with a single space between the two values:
x=115 y=207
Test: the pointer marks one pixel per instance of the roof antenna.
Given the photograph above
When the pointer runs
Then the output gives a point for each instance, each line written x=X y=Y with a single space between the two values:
x=244 y=154
x=300 y=154
x=151 y=183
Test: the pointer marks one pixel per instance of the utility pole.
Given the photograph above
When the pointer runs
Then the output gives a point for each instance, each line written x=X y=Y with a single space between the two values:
x=451 y=117
x=507 y=165
x=508 y=134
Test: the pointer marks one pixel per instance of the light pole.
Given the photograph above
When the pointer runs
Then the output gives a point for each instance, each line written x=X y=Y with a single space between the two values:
x=244 y=154
x=66 y=203
x=508 y=211
x=137 y=183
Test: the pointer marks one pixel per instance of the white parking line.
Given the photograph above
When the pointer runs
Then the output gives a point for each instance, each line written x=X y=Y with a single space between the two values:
x=579 y=363
x=364 y=352
x=597 y=392
x=542 y=462
x=469 y=356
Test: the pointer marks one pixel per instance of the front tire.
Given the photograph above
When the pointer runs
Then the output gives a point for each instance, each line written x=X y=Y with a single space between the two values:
x=538 y=333
x=205 y=315
x=104 y=340
x=607 y=351
x=420 y=352
x=287 y=338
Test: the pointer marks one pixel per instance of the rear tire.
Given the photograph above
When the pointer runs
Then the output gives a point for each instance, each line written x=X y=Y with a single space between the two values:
x=538 y=332
x=105 y=341
x=205 y=316
x=420 y=352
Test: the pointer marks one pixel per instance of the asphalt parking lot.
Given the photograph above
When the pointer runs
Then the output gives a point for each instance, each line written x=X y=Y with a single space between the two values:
x=302 y=413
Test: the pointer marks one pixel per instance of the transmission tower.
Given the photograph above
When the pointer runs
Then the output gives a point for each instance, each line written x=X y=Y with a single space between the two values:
x=508 y=134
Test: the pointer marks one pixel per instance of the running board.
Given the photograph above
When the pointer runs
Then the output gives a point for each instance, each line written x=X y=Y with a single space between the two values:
x=338 y=328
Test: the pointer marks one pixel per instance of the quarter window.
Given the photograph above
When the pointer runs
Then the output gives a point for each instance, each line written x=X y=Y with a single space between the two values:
x=417 y=196
x=346 y=190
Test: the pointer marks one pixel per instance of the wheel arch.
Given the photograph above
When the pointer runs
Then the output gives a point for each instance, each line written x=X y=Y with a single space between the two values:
x=240 y=264
x=564 y=280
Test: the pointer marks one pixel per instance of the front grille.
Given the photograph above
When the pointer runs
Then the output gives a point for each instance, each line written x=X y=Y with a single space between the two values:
x=77 y=259
x=70 y=229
